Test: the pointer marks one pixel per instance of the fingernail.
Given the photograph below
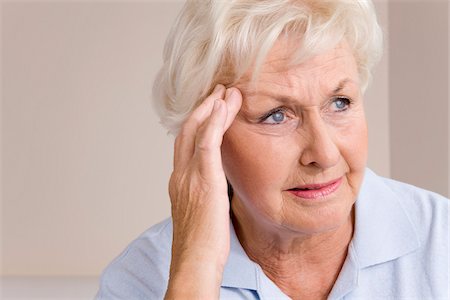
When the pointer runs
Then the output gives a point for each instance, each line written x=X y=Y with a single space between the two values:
x=229 y=93
x=217 y=88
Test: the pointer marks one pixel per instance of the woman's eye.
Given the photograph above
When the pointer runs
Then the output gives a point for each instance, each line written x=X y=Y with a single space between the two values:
x=275 y=117
x=341 y=104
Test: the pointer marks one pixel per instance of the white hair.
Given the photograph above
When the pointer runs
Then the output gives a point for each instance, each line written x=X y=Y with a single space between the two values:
x=217 y=41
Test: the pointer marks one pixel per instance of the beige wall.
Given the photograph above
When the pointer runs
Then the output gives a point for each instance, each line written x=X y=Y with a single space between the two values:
x=418 y=93
x=377 y=104
x=85 y=162
x=1 y=144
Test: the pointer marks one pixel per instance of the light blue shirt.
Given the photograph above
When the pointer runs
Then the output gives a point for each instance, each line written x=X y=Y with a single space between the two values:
x=400 y=250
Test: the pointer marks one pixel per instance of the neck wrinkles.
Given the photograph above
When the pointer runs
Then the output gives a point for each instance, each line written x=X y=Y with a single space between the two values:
x=288 y=258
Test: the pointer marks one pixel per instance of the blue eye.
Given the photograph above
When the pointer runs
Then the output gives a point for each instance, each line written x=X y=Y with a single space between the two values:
x=274 y=117
x=341 y=104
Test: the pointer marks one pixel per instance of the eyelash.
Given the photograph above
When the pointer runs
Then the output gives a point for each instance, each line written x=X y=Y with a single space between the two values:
x=271 y=113
x=348 y=102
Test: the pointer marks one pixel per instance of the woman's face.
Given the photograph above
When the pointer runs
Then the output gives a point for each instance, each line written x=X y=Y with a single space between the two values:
x=295 y=154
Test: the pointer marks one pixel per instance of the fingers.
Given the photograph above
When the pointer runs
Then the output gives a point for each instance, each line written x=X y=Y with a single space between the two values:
x=205 y=127
x=203 y=111
x=185 y=141
x=233 y=99
x=210 y=140
x=209 y=137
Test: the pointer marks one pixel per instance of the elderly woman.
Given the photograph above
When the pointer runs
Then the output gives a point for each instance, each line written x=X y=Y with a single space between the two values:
x=271 y=197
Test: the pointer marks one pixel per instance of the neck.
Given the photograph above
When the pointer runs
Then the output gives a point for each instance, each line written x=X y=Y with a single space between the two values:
x=289 y=258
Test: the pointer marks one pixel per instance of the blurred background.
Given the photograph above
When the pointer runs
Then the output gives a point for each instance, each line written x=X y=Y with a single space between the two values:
x=85 y=163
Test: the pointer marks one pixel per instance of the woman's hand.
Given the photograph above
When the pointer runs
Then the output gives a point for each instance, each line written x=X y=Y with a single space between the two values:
x=200 y=205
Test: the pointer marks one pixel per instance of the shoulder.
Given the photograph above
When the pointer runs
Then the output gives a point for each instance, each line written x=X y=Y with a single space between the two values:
x=402 y=236
x=422 y=206
x=428 y=214
x=427 y=210
x=141 y=271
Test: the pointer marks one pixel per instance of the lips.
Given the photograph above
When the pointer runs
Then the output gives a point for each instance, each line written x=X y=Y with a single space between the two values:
x=316 y=191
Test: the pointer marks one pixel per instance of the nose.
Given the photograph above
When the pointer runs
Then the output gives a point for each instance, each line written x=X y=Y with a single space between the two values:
x=319 y=145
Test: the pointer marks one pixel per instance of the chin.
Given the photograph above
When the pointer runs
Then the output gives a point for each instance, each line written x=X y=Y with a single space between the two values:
x=320 y=219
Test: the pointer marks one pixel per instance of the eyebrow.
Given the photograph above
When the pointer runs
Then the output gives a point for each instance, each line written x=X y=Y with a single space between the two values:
x=341 y=85
x=287 y=98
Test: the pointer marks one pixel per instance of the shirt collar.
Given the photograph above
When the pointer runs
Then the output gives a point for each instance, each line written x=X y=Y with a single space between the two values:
x=383 y=230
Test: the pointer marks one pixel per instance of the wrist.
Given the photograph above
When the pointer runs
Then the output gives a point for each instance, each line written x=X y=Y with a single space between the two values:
x=196 y=279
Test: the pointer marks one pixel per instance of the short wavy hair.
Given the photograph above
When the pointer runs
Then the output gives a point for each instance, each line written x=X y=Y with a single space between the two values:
x=218 y=41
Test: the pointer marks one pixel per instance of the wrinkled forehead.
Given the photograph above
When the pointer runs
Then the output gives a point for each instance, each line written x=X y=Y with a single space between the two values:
x=283 y=69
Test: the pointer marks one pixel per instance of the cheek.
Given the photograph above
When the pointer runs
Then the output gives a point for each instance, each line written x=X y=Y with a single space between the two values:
x=253 y=163
x=354 y=143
